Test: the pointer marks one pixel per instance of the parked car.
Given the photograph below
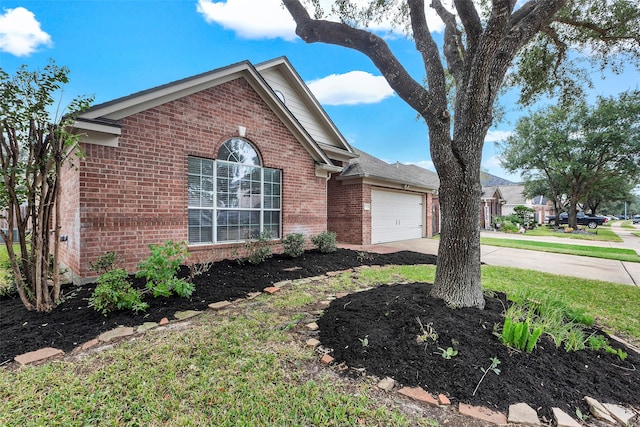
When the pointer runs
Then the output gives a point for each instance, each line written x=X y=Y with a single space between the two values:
x=636 y=219
x=591 y=221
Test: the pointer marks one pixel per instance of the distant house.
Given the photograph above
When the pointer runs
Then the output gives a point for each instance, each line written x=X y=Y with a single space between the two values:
x=513 y=195
x=214 y=158
x=491 y=202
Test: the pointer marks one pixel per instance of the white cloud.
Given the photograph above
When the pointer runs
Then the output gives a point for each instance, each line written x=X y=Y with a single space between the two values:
x=492 y=163
x=262 y=19
x=250 y=19
x=354 y=87
x=497 y=135
x=20 y=32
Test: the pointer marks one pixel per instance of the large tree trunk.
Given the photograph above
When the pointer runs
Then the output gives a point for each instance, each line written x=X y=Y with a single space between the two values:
x=459 y=251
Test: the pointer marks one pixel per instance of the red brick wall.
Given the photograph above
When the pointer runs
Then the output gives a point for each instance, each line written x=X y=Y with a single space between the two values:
x=134 y=195
x=70 y=216
x=346 y=215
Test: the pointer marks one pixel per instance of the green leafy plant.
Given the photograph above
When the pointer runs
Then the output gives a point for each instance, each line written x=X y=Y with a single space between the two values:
x=161 y=267
x=581 y=416
x=106 y=262
x=620 y=353
x=597 y=342
x=114 y=292
x=364 y=341
x=257 y=248
x=448 y=353
x=491 y=368
x=325 y=242
x=293 y=244
x=518 y=331
x=575 y=340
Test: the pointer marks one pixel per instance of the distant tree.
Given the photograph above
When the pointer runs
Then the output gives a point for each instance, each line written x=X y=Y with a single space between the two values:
x=33 y=148
x=481 y=45
x=579 y=150
x=613 y=189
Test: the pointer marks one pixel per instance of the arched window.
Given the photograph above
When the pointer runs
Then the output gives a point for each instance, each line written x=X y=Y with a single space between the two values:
x=233 y=198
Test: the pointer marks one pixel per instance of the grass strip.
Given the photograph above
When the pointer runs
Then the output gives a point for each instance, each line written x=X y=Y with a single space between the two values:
x=618 y=254
x=600 y=234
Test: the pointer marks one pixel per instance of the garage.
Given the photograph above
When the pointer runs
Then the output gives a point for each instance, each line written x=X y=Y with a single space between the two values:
x=396 y=215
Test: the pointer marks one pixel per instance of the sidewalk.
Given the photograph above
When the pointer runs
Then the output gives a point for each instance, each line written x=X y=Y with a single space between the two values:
x=627 y=273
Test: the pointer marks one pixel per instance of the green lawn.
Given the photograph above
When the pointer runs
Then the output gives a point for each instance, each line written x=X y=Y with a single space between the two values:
x=619 y=254
x=242 y=367
x=600 y=234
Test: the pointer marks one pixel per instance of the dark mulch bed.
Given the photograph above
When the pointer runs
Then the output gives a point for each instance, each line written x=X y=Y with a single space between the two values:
x=74 y=322
x=548 y=377
x=386 y=316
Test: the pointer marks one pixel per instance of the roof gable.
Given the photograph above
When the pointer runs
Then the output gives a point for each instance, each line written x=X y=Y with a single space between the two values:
x=298 y=98
x=101 y=122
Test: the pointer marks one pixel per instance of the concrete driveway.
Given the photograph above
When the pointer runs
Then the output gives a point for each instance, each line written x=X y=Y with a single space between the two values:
x=627 y=273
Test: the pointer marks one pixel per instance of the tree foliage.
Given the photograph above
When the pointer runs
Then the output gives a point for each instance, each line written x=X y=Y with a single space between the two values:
x=481 y=44
x=33 y=149
x=582 y=152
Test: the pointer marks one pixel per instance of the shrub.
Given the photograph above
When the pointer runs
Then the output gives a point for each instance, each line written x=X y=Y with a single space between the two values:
x=325 y=241
x=114 y=292
x=106 y=262
x=293 y=244
x=508 y=227
x=257 y=248
x=161 y=267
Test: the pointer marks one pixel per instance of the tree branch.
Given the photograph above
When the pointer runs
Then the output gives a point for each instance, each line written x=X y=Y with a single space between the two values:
x=374 y=47
x=603 y=33
x=454 y=50
x=470 y=20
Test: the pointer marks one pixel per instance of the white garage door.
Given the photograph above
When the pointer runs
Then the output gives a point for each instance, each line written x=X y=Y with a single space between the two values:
x=395 y=216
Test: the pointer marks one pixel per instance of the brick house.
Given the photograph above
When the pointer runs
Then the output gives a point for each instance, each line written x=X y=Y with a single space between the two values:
x=208 y=160
x=375 y=202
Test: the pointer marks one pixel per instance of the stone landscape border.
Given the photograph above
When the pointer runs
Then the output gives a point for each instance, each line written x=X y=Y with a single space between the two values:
x=518 y=414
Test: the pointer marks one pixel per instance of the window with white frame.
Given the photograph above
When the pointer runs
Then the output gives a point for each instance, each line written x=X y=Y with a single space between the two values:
x=233 y=197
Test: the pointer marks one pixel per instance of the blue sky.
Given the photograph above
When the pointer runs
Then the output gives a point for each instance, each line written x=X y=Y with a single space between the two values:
x=117 y=47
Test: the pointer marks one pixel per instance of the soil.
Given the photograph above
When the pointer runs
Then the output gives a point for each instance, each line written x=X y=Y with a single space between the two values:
x=375 y=330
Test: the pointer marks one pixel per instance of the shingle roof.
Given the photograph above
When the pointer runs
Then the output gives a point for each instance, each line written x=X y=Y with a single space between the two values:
x=513 y=194
x=488 y=180
x=368 y=166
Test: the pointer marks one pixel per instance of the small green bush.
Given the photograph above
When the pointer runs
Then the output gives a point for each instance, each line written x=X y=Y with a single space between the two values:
x=106 y=262
x=114 y=292
x=161 y=267
x=325 y=241
x=293 y=244
x=257 y=248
